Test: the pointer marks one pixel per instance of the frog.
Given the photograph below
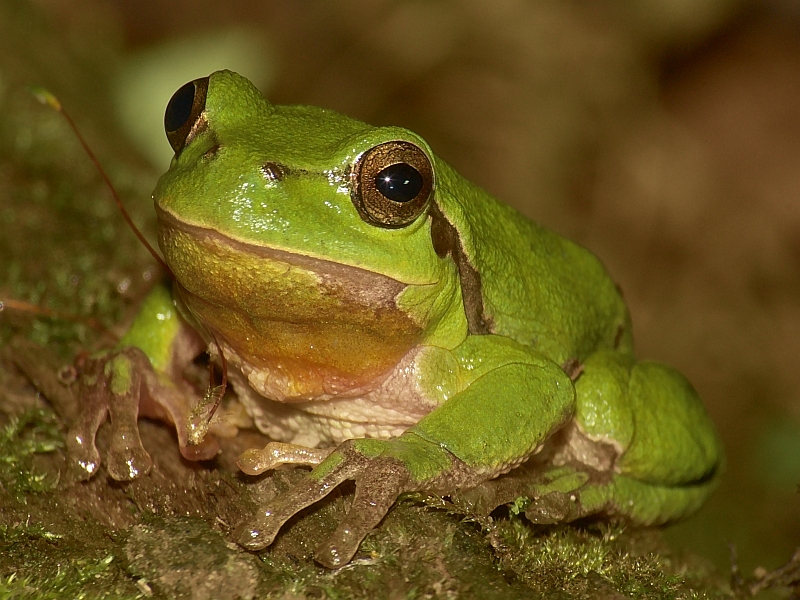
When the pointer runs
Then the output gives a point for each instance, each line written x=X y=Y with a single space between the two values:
x=383 y=320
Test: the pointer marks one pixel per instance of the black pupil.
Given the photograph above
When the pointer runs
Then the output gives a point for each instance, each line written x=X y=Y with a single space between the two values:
x=179 y=108
x=399 y=182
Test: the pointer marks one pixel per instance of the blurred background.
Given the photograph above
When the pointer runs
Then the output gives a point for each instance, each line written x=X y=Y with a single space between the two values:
x=663 y=135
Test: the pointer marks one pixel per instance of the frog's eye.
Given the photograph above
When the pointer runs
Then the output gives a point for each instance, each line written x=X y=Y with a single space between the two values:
x=393 y=183
x=183 y=117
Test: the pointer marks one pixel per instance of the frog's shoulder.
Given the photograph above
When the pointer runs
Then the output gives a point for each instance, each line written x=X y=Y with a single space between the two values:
x=535 y=285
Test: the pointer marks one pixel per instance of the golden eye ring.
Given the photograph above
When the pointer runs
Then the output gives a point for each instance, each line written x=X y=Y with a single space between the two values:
x=393 y=184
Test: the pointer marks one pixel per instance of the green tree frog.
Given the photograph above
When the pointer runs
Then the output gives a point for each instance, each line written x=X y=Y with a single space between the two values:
x=384 y=320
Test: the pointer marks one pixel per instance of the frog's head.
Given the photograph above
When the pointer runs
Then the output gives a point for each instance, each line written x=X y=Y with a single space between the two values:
x=300 y=238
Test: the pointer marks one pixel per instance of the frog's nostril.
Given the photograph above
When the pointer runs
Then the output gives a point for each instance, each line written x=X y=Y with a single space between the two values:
x=211 y=152
x=273 y=171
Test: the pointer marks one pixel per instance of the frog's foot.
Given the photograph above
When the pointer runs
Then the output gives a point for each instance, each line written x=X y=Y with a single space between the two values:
x=555 y=507
x=558 y=497
x=575 y=494
x=164 y=401
x=275 y=454
x=527 y=481
x=382 y=469
x=122 y=385
x=110 y=386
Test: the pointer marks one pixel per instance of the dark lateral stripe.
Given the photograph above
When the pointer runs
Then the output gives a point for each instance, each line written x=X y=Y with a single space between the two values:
x=446 y=241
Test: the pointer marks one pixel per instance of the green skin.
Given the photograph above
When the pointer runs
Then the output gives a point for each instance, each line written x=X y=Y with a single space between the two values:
x=521 y=342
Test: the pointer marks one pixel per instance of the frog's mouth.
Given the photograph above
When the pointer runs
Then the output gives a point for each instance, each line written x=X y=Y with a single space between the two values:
x=312 y=327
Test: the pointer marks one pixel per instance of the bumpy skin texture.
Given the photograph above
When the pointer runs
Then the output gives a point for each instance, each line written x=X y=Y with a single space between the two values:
x=469 y=339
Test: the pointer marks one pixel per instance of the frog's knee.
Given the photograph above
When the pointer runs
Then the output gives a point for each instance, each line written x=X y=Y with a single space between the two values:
x=603 y=410
x=652 y=416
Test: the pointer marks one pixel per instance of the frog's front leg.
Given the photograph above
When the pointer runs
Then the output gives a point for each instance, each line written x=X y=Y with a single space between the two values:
x=140 y=377
x=499 y=414
x=110 y=385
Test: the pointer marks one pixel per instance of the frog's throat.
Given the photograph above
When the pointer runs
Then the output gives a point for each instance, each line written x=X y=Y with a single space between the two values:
x=318 y=327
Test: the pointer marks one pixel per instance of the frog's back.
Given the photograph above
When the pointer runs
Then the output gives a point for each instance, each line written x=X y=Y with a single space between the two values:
x=536 y=286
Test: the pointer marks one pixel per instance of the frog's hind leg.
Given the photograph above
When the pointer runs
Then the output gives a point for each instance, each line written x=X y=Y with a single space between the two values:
x=574 y=494
x=641 y=447
x=633 y=500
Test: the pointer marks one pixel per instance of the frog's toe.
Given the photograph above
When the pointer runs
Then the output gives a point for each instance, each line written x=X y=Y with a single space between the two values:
x=110 y=387
x=254 y=461
x=207 y=449
x=261 y=531
x=128 y=464
x=173 y=405
x=127 y=459
x=255 y=536
x=555 y=507
x=376 y=492
x=83 y=458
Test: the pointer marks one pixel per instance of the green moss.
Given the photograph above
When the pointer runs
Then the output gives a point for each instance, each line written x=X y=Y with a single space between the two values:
x=33 y=432
x=25 y=532
x=79 y=580
x=580 y=563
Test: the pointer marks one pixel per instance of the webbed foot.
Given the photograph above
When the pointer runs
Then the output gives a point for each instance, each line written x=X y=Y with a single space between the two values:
x=110 y=386
x=122 y=385
x=382 y=470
